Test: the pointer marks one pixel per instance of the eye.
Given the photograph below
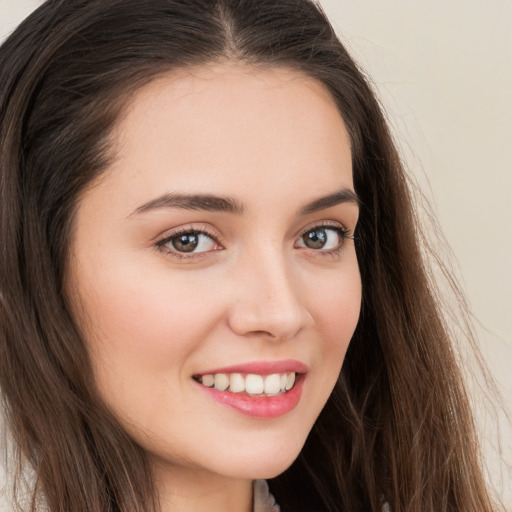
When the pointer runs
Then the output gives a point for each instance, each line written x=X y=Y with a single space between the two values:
x=325 y=238
x=190 y=241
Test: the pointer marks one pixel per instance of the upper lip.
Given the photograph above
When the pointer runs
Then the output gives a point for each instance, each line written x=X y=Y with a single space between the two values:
x=261 y=367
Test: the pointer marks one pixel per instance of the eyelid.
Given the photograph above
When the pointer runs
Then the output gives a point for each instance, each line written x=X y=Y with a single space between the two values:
x=203 y=229
x=344 y=232
x=327 y=224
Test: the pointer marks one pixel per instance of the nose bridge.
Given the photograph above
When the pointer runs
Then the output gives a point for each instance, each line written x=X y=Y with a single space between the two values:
x=268 y=301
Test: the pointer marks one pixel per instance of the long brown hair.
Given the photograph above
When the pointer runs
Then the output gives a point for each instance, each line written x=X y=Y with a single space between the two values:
x=397 y=426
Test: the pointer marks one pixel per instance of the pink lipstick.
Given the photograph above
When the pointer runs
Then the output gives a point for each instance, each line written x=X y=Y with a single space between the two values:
x=263 y=389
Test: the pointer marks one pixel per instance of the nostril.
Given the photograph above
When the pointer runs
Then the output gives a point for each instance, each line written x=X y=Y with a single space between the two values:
x=267 y=300
x=268 y=321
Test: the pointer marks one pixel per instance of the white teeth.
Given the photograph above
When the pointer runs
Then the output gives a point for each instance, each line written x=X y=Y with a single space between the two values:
x=254 y=384
x=290 y=380
x=272 y=384
x=221 y=381
x=250 y=384
x=236 y=383
x=208 y=380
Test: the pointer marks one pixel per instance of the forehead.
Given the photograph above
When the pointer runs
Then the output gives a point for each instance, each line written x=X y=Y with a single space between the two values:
x=207 y=125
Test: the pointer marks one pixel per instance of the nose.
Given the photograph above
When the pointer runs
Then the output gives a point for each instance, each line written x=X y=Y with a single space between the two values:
x=268 y=300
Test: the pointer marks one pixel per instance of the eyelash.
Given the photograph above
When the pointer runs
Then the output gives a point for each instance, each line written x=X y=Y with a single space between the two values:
x=161 y=244
x=344 y=233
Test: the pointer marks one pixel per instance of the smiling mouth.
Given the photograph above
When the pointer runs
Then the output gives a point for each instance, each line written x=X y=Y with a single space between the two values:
x=249 y=384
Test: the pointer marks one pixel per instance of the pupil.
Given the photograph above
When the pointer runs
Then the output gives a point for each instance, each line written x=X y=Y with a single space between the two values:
x=315 y=239
x=186 y=243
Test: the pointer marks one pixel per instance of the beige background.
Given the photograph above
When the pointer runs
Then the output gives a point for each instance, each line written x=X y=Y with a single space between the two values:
x=443 y=70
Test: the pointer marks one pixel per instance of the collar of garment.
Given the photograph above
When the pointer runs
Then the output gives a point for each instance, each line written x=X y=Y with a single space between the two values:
x=263 y=500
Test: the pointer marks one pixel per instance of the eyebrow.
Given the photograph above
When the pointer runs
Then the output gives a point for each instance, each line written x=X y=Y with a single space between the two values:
x=207 y=202
x=213 y=203
x=344 y=195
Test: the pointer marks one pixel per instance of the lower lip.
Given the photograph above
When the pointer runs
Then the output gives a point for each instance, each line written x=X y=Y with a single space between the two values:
x=264 y=407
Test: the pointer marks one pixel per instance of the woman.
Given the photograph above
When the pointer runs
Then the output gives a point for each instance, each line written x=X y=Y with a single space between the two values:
x=203 y=218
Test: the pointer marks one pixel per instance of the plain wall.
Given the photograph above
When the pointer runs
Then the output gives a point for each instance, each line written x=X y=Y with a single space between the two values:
x=443 y=70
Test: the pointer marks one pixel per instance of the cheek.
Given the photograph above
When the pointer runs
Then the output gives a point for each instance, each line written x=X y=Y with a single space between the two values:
x=336 y=307
x=342 y=314
x=143 y=327
x=334 y=302
x=337 y=304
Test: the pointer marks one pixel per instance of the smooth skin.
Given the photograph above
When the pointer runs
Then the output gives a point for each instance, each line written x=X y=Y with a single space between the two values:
x=163 y=292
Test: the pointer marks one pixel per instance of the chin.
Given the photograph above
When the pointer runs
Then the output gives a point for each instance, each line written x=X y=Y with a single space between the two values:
x=267 y=461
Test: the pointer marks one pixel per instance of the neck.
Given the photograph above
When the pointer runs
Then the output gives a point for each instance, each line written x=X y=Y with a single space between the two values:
x=186 y=490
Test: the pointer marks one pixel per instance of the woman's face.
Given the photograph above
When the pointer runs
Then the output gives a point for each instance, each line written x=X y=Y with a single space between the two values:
x=217 y=251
